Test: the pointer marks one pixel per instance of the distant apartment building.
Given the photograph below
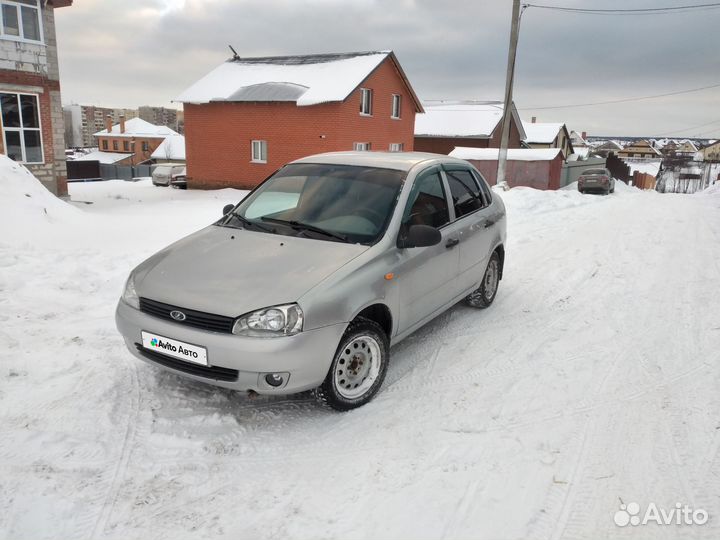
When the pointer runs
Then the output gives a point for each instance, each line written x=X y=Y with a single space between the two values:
x=159 y=116
x=32 y=117
x=83 y=121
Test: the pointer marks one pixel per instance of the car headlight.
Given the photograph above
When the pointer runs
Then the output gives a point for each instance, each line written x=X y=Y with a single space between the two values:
x=275 y=321
x=129 y=295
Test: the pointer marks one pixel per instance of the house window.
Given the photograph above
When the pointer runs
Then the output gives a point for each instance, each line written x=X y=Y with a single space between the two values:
x=115 y=145
x=361 y=146
x=366 y=101
x=21 y=20
x=395 y=106
x=145 y=146
x=126 y=146
x=259 y=151
x=105 y=144
x=397 y=147
x=21 y=127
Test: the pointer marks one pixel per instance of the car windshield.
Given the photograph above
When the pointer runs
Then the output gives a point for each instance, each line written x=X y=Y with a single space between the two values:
x=328 y=202
x=590 y=172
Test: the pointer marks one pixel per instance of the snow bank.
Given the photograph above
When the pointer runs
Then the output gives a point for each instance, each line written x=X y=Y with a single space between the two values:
x=25 y=203
x=712 y=190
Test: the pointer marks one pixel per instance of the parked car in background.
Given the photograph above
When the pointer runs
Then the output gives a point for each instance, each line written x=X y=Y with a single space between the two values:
x=596 y=181
x=165 y=173
x=308 y=281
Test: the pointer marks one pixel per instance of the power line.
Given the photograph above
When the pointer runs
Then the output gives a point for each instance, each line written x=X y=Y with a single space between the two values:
x=638 y=11
x=671 y=133
x=624 y=100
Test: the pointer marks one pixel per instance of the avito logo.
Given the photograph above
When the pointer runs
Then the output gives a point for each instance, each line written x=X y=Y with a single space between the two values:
x=630 y=514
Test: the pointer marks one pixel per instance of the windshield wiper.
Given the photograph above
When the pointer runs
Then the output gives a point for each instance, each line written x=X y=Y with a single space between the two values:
x=297 y=225
x=247 y=223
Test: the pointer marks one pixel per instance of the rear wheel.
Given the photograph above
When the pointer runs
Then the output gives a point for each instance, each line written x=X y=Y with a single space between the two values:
x=358 y=368
x=484 y=295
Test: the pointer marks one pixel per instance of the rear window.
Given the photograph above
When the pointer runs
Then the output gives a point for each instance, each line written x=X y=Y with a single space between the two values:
x=594 y=171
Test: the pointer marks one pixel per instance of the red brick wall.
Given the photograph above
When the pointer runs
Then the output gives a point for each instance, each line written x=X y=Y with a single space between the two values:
x=445 y=145
x=218 y=135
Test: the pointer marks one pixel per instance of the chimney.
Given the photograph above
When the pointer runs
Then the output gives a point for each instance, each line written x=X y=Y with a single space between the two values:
x=108 y=123
x=584 y=134
x=534 y=119
x=122 y=123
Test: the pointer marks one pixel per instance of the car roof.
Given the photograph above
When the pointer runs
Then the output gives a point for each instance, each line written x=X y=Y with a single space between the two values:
x=402 y=161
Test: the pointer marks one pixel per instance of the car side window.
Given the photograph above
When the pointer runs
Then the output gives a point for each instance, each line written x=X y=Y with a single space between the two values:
x=484 y=188
x=465 y=192
x=427 y=204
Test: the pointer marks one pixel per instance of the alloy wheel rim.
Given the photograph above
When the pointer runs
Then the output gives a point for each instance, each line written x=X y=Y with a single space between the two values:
x=358 y=367
x=491 y=279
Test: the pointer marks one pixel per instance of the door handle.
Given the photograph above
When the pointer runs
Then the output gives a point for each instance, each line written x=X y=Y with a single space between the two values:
x=452 y=243
x=489 y=223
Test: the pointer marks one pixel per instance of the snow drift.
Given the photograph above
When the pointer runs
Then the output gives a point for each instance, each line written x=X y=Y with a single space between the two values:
x=25 y=203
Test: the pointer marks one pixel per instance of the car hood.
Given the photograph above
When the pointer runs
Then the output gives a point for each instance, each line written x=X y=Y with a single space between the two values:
x=233 y=271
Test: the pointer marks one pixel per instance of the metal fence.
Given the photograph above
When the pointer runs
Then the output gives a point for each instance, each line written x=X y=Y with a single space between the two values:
x=124 y=172
x=93 y=170
x=572 y=170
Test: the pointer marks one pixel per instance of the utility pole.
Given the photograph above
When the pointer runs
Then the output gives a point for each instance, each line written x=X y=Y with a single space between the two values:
x=507 y=111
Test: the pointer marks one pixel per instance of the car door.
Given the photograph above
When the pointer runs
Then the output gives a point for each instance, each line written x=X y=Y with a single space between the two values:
x=426 y=276
x=473 y=222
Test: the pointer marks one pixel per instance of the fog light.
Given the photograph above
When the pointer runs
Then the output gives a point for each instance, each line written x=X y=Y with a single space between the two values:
x=274 y=379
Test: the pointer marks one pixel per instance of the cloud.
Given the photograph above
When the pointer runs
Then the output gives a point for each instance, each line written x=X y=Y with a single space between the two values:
x=133 y=52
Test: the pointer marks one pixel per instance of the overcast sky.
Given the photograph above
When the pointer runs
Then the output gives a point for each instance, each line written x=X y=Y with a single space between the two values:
x=126 y=53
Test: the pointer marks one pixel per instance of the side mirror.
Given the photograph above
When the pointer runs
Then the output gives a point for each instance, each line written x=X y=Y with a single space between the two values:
x=419 y=236
x=227 y=209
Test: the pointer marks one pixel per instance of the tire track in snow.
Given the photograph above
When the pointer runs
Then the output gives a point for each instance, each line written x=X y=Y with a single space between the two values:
x=121 y=464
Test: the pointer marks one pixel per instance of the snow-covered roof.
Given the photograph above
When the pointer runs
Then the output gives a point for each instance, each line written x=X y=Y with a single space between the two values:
x=541 y=133
x=107 y=158
x=514 y=154
x=137 y=127
x=305 y=80
x=477 y=119
x=577 y=139
x=173 y=147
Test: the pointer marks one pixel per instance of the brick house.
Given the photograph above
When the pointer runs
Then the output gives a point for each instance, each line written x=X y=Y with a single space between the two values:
x=473 y=124
x=135 y=138
x=250 y=116
x=549 y=135
x=33 y=131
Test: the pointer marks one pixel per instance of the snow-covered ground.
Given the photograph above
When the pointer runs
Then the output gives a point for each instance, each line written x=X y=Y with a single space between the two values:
x=593 y=379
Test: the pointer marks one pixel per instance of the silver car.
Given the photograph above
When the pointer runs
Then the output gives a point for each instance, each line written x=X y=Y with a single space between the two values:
x=165 y=174
x=308 y=282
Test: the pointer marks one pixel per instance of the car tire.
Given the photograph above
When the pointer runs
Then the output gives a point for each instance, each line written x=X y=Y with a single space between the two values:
x=484 y=295
x=358 y=367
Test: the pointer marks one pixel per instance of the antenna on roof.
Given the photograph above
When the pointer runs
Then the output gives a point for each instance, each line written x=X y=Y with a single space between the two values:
x=236 y=56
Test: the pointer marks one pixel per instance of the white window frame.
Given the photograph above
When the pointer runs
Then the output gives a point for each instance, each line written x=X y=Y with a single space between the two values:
x=361 y=146
x=396 y=147
x=257 y=157
x=21 y=37
x=396 y=106
x=22 y=129
x=366 y=101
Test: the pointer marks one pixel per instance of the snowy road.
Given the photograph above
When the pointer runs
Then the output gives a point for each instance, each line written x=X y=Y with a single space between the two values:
x=593 y=379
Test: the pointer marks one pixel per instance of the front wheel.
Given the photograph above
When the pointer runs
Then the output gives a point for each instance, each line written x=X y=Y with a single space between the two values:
x=358 y=368
x=484 y=295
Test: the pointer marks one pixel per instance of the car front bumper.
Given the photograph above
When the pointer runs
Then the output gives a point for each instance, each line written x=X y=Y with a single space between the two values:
x=237 y=362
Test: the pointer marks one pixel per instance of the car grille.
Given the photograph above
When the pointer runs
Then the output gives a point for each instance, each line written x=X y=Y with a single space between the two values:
x=209 y=372
x=197 y=319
